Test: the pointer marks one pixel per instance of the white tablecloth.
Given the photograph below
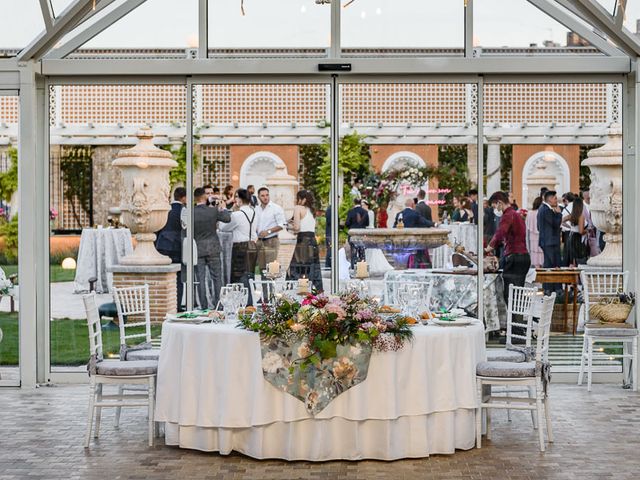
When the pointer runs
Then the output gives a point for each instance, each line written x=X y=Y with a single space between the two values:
x=464 y=234
x=415 y=402
x=100 y=248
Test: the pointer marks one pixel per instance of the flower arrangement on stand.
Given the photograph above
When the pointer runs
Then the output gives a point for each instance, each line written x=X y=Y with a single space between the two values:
x=319 y=347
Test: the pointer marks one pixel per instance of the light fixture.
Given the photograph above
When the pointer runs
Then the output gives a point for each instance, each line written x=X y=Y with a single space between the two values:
x=303 y=9
x=363 y=15
x=378 y=11
x=69 y=263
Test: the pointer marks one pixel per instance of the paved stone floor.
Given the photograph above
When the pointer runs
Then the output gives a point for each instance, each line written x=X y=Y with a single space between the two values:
x=41 y=434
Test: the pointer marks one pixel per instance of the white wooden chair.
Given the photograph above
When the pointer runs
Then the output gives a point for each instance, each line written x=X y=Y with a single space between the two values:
x=115 y=372
x=131 y=303
x=521 y=303
x=599 y=286
x=523 y=374
x=262 y=291
x=288 y=287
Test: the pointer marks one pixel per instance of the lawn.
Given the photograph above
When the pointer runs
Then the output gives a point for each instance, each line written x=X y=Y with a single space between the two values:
x=58 y=274
x=69 y=340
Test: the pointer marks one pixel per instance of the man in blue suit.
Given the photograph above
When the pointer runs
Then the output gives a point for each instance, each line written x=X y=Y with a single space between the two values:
x=411 y=218
x=549 y=220
x=169 y=240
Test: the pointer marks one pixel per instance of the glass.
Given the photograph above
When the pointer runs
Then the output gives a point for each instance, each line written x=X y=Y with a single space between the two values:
x=274 y=136
x=21 y=23
x=523 y=164
x=89 y=232
x=407 y=170
x=9 y=316
x=402 y=27
x=294 y=28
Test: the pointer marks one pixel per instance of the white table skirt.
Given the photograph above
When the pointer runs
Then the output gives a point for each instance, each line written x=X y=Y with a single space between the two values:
x=415 y=402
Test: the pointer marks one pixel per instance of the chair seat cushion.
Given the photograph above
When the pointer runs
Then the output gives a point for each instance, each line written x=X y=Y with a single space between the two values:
x=504 y=355
x=148 y=354
x=611 y=332
x=119 y=368
x=506 y=369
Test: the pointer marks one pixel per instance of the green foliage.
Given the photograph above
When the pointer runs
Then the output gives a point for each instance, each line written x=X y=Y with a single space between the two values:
x=354 y=163
x=9 y=179
x=506 y=166
x=311 y=158
x=178 y=174
x=585 y=172
x=77 y=178
x=9 y=230
x=452 y=173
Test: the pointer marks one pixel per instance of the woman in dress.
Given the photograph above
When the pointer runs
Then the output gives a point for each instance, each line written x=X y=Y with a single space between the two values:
x=577 y=250
x=243 y=226
x=227 y=197
x=306 y=258
x=535 y=252
x=383 y=216
x=463 y=212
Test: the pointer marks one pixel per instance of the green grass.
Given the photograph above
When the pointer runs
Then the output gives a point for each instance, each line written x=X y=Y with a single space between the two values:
x=69 y=341
x=58 y=274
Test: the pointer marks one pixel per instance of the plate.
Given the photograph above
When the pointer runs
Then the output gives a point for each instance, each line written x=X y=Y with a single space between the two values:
x=189 y=319
x=458 y=322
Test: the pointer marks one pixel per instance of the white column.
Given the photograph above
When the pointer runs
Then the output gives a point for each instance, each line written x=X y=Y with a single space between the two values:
x=493 y=165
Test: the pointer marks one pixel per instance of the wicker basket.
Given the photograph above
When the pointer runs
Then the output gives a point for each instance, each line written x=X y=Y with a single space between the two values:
x=614 y=312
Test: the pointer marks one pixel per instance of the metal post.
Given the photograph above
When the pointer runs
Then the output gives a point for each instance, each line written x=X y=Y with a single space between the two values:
x=335 y=50
x=334 y=198
x=468 y=28
x=480 y=236
x=203 y=28
x=189 y=140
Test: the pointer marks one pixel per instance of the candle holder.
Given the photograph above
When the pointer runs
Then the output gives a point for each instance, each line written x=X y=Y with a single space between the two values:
x=273 y=275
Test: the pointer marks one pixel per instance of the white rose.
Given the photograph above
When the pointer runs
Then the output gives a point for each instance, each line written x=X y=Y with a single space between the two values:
x=272 y=362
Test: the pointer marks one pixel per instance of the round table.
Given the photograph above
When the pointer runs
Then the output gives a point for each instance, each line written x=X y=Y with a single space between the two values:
x=418 y=401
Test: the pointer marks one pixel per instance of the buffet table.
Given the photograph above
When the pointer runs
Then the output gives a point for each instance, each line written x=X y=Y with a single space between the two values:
x=465 y=234
x=415 y=402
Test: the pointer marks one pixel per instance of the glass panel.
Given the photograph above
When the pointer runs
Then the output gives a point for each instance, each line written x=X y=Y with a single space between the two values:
x=89 y=199
x=408 y=206
x=21 y=22
x=632 y=15
x=504 y=26
x=9 y=335
x=543 y=138
x=402 y=27
x=155 y=23
x=254 y=136
x=294 y=27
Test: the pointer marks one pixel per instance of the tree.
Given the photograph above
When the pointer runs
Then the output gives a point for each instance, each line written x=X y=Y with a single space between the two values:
x=77 y=176
x=9 y=179
x=178 y=174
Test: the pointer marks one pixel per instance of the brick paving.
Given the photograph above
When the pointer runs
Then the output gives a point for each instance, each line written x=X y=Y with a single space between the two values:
x=41 y=435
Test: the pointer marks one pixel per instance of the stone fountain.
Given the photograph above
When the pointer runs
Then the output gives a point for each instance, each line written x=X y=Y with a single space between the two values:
x=397 y=243
x=605 y=164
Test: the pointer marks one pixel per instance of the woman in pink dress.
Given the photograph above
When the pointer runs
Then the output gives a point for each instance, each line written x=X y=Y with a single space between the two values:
x=535 y=252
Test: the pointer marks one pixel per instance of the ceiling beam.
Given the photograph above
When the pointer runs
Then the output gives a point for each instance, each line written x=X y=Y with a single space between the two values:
x=621 y=8
x=94 y=11
x=594 y=14
x=499 y=65
x=62 y=25
x=468 y=29
x=92 y=30
x=203 y=28
x=47 y=14
x=572 y=24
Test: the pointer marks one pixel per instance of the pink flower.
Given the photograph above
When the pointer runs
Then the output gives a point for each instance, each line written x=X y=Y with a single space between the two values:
x=336 y=309
x=308 y=300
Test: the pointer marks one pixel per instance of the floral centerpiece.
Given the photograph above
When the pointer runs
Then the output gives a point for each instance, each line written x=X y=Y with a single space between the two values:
x=320 y=347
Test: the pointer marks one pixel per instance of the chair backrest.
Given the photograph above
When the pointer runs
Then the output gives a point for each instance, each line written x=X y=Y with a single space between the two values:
x=289 y=286
x=93 y=322
x=599 y=286
x=521 y=301
x=262 y=291
x=544 y=328
x=133 y=302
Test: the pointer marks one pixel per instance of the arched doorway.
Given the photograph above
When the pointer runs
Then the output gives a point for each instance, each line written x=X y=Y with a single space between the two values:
x=258 y=167
x=398 y=161
x=553 y=166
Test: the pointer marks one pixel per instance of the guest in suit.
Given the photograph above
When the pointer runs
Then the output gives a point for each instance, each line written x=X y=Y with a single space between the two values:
x=422 y=208
x=549 y=220
x=357 y=217
x=411 y=218
x=473 y=198
x=205 y=222
x=169 y=239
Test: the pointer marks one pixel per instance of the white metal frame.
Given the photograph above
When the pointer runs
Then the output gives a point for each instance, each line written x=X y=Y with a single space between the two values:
x=31 y=72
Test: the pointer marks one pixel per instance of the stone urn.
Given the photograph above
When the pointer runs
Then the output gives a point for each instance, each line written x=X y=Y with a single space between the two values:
x=282 y=191
x=145 y=196
x=605 y=164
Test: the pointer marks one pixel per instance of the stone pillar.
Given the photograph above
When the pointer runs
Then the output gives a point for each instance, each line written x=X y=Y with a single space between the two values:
x=605 y=164
x=162 y=285
x=493 y=165
x=472 y=163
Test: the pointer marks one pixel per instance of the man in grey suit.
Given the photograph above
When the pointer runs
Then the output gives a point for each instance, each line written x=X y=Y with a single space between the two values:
x=205 y=221
x=422 y=208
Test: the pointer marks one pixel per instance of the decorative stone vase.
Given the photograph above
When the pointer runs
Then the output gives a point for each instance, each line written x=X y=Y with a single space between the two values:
x=605 y=164
x=145 y=196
